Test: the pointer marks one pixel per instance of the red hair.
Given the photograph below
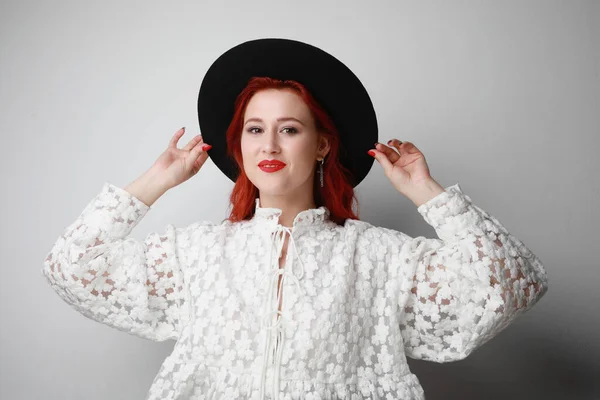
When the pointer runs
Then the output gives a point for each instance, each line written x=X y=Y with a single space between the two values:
x=337 y=194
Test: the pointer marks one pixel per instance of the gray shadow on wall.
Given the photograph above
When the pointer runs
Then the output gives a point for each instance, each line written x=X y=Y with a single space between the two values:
x=514 y=366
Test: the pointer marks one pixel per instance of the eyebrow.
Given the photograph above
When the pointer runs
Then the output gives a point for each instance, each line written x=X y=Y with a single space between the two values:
x=278 y=120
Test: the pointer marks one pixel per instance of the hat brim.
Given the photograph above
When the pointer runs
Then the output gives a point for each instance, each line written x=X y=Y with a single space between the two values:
x=333 y=85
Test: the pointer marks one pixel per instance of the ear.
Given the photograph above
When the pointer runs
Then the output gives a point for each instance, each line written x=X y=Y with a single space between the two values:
x=324 y=146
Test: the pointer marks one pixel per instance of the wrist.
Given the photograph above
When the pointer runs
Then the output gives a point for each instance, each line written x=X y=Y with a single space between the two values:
x=154 y=179
x=148 y=188
x=425 y=191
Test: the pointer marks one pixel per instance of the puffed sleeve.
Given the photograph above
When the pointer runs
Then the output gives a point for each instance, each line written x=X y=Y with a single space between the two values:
x=465 y=287
x=132 y=285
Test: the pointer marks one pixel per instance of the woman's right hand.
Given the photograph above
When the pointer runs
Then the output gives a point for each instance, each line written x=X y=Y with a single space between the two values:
x=175 y=166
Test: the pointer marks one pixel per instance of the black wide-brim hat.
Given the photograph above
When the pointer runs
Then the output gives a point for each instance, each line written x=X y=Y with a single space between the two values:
x=333 y=85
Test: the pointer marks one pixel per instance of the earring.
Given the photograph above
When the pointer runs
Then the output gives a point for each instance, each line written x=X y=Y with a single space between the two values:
x=321 y=171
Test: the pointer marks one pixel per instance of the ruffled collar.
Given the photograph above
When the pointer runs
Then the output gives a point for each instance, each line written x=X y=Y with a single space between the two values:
x=312 y=216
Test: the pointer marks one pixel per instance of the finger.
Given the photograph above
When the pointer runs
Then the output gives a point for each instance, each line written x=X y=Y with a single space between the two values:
x=197 y=155
x=195 y=140
x=410 y=149
x=389 y=152
x=383 y=161
x=395 y=143
x=198 y=165
x=176 y=137
x=199 y=162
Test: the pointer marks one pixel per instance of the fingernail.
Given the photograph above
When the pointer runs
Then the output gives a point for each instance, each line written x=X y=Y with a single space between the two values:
x=183 y=127
x=371 y=153
x=206 y=147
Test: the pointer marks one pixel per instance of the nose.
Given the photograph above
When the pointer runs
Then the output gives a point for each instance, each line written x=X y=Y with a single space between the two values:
x=270 y=143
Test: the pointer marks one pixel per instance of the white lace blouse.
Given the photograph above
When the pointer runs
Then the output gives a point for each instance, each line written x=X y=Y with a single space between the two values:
x=356 y=299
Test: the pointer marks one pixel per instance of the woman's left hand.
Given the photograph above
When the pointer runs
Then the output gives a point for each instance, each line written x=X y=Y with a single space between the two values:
x=405 y=166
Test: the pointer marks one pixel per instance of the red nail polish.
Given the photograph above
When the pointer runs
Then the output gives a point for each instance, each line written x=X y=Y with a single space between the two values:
x=206 y=147
x=371 y=153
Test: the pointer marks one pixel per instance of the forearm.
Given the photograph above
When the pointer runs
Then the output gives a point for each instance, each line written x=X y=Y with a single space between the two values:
x=425 y=191
x=147 y=188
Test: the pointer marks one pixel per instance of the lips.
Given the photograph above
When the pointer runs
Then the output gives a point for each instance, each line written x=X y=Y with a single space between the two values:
x=271 y=165
x=269 y=168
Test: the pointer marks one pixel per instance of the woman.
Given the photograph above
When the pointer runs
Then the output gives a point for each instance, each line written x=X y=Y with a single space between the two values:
x=293 y=296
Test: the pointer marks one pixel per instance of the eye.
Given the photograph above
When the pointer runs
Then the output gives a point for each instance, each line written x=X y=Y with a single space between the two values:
x=253 y=129
x=290 y=130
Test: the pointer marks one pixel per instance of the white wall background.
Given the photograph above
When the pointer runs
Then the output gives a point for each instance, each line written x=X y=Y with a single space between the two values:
x=502 y=97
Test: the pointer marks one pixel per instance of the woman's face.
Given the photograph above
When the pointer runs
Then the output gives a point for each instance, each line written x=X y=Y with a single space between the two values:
x=279 y=126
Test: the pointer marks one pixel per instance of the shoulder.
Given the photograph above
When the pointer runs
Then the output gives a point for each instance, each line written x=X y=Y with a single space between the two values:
x=366 y=231
x=204 y=228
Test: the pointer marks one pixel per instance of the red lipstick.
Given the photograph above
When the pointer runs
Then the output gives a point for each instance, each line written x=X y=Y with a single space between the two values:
x=271 y=165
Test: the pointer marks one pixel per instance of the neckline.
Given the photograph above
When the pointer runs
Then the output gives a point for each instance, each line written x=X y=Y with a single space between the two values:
x=311 y=216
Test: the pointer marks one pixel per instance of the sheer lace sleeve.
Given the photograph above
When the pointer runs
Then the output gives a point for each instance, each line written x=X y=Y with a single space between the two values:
x=134 y=286
x=465 y=287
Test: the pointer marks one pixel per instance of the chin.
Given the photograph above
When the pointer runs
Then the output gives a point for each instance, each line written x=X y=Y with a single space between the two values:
x=272 y=190
x=271 y=185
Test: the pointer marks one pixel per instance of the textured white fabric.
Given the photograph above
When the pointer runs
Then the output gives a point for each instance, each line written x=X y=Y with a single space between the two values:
x=357 y=299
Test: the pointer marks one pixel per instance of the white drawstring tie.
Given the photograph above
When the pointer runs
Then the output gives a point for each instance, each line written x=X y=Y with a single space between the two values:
x=266 y=321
